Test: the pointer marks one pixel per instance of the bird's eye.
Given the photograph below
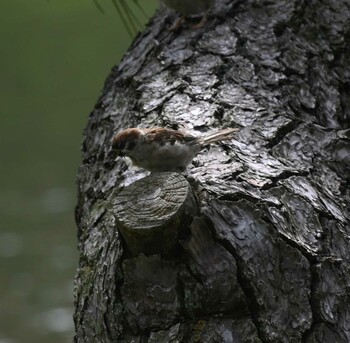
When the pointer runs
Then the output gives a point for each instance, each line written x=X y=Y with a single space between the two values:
x=130 y=145
x=118 y=145
x=122 y=146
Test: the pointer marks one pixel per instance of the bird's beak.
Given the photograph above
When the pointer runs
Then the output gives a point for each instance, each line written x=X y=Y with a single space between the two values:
x=113 y=154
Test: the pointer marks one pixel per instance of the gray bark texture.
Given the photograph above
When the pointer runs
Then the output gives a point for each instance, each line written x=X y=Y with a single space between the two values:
x=263 y=252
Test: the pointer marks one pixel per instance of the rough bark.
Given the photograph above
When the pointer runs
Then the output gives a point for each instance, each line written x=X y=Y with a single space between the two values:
x=265 y=254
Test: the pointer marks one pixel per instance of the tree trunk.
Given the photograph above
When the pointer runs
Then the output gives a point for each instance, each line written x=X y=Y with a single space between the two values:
x=255 y=247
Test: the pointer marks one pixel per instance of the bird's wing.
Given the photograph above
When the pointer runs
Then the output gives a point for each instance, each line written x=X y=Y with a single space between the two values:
x=162 y=135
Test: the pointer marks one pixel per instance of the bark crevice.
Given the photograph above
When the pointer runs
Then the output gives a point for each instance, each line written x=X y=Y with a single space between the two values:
x=265 y=257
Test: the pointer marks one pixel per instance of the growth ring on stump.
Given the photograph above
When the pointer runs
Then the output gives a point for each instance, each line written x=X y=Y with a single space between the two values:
x=152 y=212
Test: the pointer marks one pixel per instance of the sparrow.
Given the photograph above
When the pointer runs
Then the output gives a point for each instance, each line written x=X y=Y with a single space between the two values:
x=159 y=149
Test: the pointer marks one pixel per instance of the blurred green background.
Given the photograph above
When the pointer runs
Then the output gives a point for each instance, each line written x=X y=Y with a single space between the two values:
x=55 y=56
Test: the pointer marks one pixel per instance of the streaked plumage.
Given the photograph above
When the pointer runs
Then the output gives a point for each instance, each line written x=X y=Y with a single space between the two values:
x=159 y=149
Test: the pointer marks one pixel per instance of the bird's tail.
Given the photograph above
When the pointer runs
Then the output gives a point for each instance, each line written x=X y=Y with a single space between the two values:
x=222 y=135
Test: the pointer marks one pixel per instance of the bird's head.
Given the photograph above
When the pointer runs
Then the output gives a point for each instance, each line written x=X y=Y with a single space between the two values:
x=124 y=142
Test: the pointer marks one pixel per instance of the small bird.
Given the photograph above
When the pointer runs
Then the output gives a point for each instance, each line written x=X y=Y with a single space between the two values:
x=160 y=149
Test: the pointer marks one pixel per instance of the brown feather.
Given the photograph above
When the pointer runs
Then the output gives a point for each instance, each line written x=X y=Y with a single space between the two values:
x=129 y=136
x=162 y=136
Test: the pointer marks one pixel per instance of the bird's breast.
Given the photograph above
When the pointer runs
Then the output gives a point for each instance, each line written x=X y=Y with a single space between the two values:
x=166 y=157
